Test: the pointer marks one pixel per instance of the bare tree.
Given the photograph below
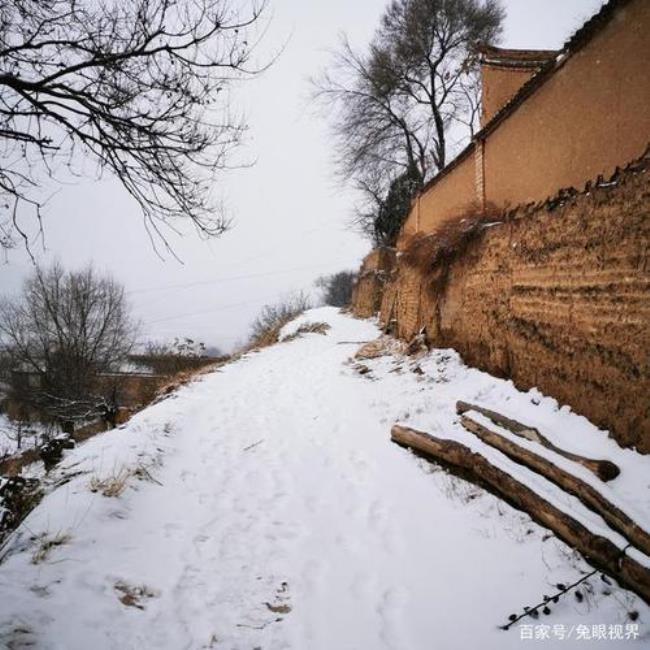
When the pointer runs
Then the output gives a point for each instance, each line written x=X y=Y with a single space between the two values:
x=138 y=87
x=393 y=106
x=67 y=328
x=337 y=288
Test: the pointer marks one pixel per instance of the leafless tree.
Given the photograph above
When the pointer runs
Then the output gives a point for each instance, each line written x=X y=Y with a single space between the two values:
x=393 y=106
x=64 y=330
x=139 y=87
x=337 y=288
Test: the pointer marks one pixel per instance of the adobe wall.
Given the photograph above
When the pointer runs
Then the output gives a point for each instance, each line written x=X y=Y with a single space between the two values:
x=132 y=390
x=590 y=116
x=499 y=86
x=454 y=193
x=557 y=298
x=368 y=290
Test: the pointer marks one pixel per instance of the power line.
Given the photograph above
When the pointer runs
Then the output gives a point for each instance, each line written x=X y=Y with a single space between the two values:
x=205 y=311
x=226 y=279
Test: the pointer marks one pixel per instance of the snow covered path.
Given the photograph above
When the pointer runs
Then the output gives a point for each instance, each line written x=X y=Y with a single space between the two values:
x=280 y=516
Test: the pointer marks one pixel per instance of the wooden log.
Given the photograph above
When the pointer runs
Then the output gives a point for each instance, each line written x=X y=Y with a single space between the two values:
x=605 y=470
x=589 y=495
x=598 y=550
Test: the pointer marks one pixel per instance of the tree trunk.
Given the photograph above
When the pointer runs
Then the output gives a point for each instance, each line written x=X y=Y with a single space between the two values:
x=591 y=497
x=599 y=551
x=605 y=470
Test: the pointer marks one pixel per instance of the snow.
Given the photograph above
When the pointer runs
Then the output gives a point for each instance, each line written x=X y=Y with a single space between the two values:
x=31 y=436
x=267 y=508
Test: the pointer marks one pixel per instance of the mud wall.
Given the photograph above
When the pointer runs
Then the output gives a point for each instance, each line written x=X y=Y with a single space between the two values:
x=499 y=85
x=590 y=116
x=557 y=297
x=368 y=290
x=455 y=192
x=131 y=390
x=586 y=117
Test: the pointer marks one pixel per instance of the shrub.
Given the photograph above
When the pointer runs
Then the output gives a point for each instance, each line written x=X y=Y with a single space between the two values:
x=308 y=328
x=265 y=329
x=337 y=288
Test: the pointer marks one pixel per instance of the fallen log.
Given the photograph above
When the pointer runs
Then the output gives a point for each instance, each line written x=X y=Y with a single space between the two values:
x=605 y=470
x=589 y=495
x=598 y=550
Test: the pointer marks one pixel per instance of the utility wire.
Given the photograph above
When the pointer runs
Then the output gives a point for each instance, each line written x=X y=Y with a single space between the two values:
x=205 y=311
x=226 y=279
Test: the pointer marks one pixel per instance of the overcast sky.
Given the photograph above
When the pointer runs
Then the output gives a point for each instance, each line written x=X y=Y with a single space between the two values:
x=290 y=214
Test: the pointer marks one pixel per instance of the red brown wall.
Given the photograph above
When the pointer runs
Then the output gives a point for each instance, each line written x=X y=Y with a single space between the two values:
x=454 y=194
x=368 y=291
x=132 y=390
x=500 y=85
x=553 y=298
x=591 y=115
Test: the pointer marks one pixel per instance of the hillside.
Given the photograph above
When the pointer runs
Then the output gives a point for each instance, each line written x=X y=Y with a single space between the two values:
x=264 y=506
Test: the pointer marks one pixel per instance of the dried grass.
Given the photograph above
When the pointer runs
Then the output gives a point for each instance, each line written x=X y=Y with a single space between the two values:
x=383 y=346
x=132 y=595
x=426 y=252
x=45 y=545
x=266 y=328
x=314 y=328
x=112 y=486
x=308 y=328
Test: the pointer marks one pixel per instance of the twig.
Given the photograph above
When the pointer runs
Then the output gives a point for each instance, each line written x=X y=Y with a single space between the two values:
x=259 y=442
x=147 y=475
x=259 y=627
x=562 y=590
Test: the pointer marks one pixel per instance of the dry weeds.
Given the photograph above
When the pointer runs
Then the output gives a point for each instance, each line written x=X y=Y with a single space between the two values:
x=132 y=596
x=380 y=347
x=46 y=543
x=308 y=328
x=111 y=486
x=450 y=240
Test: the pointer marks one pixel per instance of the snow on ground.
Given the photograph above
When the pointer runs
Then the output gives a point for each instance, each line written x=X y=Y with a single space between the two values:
x=264 y=506
x=11 y=432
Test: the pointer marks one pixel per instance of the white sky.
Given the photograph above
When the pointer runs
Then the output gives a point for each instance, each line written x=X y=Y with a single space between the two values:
x=290 y=214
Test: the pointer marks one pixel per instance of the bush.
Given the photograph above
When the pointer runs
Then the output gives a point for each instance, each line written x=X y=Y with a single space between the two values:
x=265 y=329
x=337 y=288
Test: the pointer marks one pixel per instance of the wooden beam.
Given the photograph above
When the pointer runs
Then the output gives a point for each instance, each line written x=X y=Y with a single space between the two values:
x=605 y=470
x=570 y=483
x=598 y=550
